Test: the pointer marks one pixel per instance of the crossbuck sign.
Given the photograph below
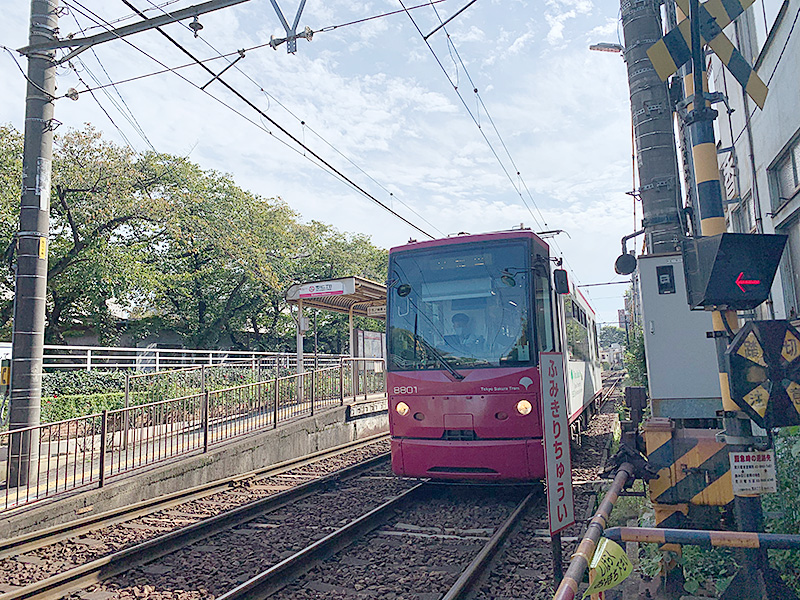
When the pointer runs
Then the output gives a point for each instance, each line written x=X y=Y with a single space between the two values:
x=558 y=463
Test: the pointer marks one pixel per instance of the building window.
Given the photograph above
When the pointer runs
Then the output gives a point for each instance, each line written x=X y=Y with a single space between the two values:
x=786 y=176
x=742 y=217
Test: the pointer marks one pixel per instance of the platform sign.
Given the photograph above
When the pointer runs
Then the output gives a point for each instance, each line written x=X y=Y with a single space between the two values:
x=321 y=288
x=753 y=472
x=558 y=463
x=763 y=365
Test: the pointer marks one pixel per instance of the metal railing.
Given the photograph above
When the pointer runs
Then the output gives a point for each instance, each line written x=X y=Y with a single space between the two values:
x=160 y=359
x=47 y=460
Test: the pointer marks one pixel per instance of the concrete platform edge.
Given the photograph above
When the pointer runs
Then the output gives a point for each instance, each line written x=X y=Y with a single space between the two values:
x=325 y=430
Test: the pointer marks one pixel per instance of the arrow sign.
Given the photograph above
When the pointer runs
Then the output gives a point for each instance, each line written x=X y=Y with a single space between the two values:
x=741 y=282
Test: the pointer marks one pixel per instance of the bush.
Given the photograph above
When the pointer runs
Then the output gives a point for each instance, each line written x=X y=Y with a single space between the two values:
x=635 y=359
x=782 y=509
x=74 y=382
x=60 y=408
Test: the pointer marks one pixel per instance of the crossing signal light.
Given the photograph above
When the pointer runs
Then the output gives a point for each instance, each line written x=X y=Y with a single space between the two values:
x=731 y=270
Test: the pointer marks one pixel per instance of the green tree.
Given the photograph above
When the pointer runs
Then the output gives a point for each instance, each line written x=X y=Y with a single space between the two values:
x=174 y=247
x=101 y=222
x=635 y=362
x=609 y=334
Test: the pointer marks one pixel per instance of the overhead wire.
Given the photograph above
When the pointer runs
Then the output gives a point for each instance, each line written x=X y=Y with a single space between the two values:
x=477 y=123
x=303 y=122
x=472 y=116
x=127 y=113
x=489 y=116
x=319 y=160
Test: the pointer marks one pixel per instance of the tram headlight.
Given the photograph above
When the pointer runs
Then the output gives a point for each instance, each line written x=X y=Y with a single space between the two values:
x=524 y=407
x=402 y=409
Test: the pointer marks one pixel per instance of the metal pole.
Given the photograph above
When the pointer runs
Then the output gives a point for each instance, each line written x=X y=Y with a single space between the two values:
x=103 y=434
x=275 y=406
x=341 y=382
x=206 y=413
x=558 y=567
x=32 y=241
x=568 y=588
x=127 y=420
x=657 y=164
x=712 y=222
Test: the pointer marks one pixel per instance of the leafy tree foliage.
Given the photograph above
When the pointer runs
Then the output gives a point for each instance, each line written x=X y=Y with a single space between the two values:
x=635 y=361
x=172 y=247
x=609 y=334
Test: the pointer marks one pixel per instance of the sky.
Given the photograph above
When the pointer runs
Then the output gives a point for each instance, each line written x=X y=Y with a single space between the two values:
x=505 y=117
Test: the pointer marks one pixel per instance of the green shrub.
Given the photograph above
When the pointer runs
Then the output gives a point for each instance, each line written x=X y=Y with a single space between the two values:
x=60 y=408
x=72 y=382
x=782 y=509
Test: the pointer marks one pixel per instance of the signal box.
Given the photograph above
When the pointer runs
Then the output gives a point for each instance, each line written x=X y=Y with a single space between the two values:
x=731 y=270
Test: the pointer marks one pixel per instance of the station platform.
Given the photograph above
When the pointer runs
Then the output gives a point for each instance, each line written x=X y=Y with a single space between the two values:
x=356 y=419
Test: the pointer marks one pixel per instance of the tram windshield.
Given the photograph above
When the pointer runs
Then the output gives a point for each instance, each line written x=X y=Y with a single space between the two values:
x=468 y=306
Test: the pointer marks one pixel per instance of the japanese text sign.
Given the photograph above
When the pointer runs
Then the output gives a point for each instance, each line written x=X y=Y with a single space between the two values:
x=558 y=464
x=322 y=288
x=753 y=472
x=608 y=568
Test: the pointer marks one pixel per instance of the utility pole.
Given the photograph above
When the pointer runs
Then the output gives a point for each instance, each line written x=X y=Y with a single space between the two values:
x=31 y=244
x=657 y=163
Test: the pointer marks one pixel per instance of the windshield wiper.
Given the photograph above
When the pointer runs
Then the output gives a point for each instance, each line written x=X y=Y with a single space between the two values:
x=436 y=354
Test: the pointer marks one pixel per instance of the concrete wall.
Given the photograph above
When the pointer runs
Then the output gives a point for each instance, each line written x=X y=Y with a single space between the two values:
x=296 y=439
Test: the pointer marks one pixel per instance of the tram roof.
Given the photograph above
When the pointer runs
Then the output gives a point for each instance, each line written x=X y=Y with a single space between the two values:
x=365 y=298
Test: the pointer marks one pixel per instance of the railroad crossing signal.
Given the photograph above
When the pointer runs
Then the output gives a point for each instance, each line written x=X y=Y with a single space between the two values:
x=673 y=50
x=731 y=270
x=763 y=364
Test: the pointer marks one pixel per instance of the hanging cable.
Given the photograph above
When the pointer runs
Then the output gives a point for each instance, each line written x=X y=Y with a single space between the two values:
x=93 y=16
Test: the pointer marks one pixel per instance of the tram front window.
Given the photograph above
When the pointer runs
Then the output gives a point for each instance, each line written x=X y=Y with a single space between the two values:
x=462 y=306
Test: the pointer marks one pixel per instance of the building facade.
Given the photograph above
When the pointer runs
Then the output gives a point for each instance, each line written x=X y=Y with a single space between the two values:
x=759 y=150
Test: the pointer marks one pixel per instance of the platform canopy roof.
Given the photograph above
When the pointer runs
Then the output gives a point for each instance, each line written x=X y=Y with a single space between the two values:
x=355 y=295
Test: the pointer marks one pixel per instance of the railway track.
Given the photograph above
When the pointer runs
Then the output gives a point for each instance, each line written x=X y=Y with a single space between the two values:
x=465 y=527
x=49 y=563
x=322 y=538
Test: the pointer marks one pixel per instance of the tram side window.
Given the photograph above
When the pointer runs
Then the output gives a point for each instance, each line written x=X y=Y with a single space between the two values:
x=544 y=312
x=577 y=331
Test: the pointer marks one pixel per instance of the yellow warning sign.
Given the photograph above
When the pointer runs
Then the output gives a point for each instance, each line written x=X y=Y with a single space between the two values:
x=793 y=390
x=43 y=248
x=758 y=399
x=609 y=567
x=791 y=347
x=752 y=350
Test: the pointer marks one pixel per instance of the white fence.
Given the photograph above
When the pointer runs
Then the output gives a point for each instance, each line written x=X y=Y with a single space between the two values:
x=159 y=359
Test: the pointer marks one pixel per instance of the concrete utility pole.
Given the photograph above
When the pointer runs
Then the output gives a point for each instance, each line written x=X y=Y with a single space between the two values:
x=659 y=187
x=34 y=224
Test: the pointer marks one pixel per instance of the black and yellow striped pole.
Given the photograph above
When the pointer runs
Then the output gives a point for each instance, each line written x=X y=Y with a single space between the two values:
x=700 y=120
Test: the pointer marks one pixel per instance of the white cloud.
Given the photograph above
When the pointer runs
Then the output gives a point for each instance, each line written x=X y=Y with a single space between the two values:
x=375 y=92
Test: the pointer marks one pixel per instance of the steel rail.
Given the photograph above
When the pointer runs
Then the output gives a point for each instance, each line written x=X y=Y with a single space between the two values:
x=476 y=568
x=113 y=564
x=38 y=539
x=285 y=572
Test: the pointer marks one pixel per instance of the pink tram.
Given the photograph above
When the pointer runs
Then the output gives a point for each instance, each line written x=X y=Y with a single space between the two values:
x=467 y=317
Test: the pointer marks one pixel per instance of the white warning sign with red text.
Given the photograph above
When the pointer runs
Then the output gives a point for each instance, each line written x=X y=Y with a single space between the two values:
x=558 y=463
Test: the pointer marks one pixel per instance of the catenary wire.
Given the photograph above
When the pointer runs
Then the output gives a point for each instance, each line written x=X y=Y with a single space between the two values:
x=127 y=113
x=477 y=123
x=302 y=121
x=472 y=116
x=489 y=116
x=319 y=161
